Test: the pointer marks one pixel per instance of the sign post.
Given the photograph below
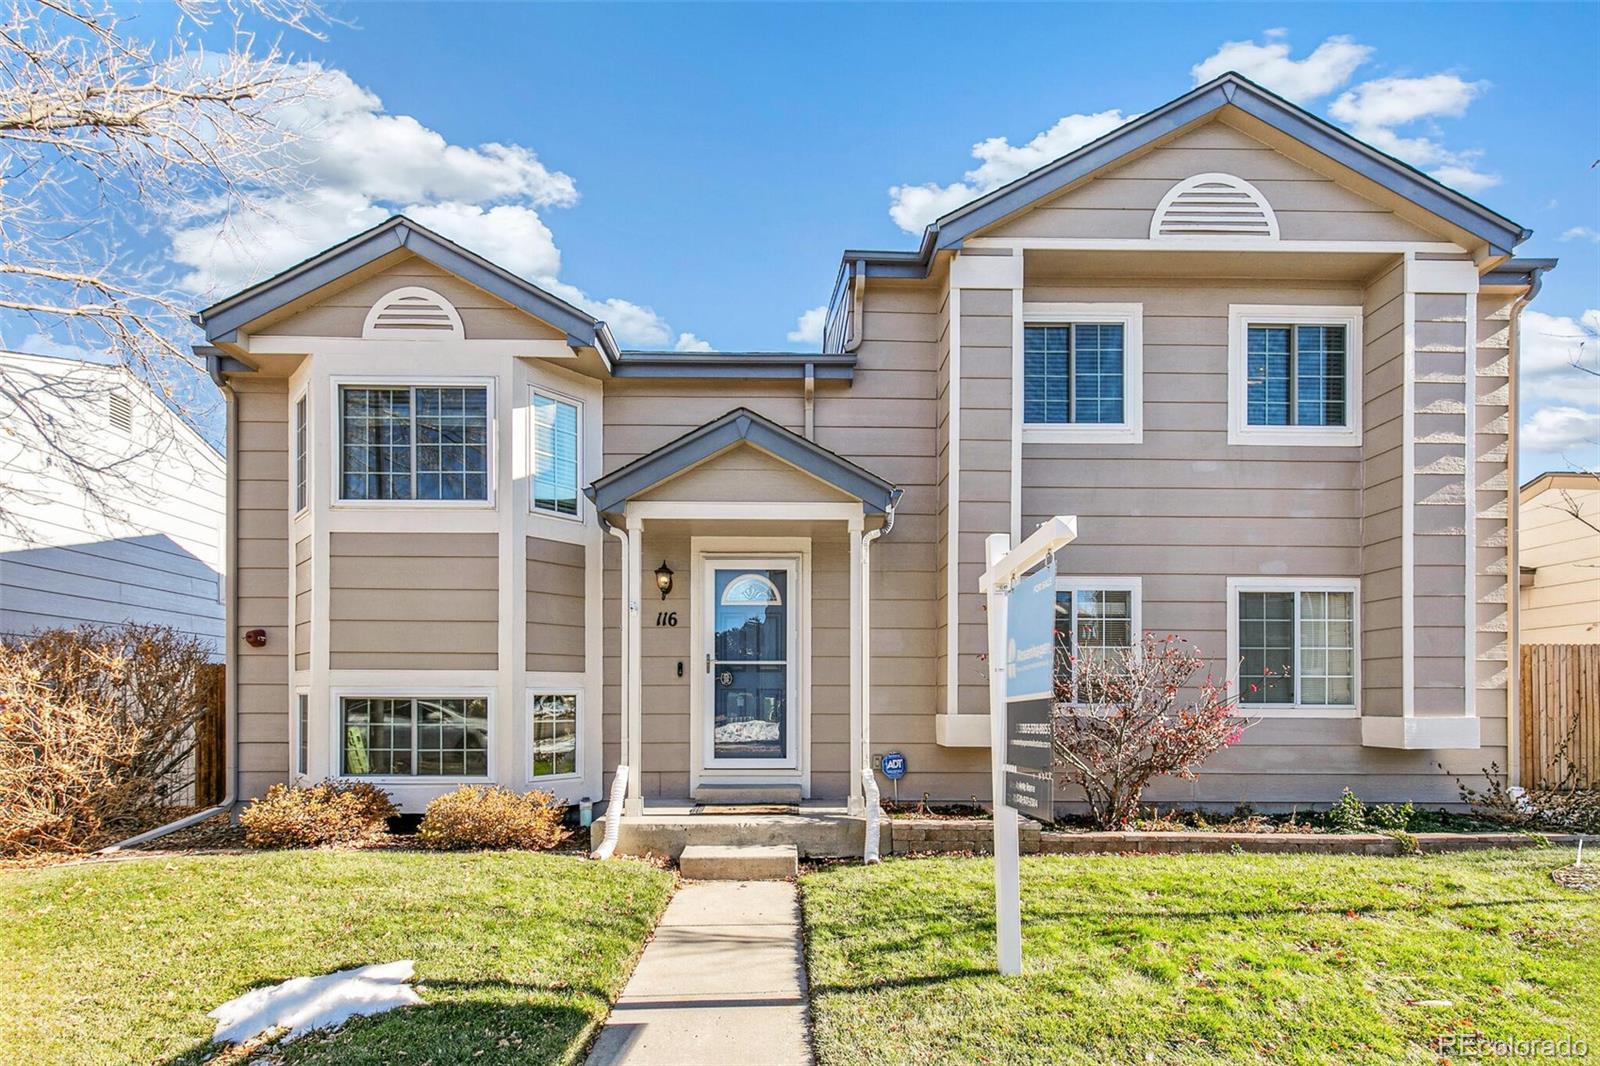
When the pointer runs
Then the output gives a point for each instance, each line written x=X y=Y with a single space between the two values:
x=1021 y=685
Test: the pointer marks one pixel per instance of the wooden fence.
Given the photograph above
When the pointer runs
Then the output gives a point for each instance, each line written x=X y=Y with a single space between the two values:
x=211 y=742
x=1560 y=708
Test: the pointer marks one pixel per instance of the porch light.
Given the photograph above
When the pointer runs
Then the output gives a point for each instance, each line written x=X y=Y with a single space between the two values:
x=664 y=578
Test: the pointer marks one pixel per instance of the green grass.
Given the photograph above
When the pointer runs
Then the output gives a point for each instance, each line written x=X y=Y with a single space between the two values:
x=519 y=954
x=1200 y=959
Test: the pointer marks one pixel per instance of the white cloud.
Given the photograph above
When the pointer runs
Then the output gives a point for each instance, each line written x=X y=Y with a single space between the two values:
x=999 y=161
x=688 y=342
x=1582 y=233
x=1555 y=429
x=1327 y=68
x=1558 y=358
x=353 y=165
x=808 y=327
x=1397 y=101
x=1376 y=109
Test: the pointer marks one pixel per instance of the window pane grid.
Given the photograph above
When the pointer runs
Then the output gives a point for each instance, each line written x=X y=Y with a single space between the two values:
x=1297 y=648
x=1266 y=647
x=1097 y=373
x=1091 y=624
x=408 y=737
x=555 y=734
x=1327 y=649
x=300 y=454
x=555 y=455
x=1296 y=375
x=303 y=725
x=1046 y=354
x=426 y=443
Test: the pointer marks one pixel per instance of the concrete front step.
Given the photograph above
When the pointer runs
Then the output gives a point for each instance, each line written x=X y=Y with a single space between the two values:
x=816 y=834
x=746 y=862
x=748 y=795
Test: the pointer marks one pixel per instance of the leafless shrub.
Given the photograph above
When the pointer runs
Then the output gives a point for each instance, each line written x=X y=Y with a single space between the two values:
x=96 y=734
x=1120 y=723
x=307 y=817
x=488 y=816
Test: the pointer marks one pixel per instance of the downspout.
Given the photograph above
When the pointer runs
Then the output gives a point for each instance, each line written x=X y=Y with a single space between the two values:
x=869 y=780
x=619 y=784
x=230 y=582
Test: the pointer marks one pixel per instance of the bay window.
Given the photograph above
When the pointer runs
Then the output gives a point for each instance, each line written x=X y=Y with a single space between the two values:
x=415 y=736
x=422 y=443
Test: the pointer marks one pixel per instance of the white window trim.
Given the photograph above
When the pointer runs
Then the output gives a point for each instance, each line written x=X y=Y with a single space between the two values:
x=1240 y=318
x=560 y=397
x=1079 y=583
x=574 y=689
x=336 y=451
x=300 y=413
x=300 y=737
x=1296 y=585
x=337 y=696
x=1131 y=317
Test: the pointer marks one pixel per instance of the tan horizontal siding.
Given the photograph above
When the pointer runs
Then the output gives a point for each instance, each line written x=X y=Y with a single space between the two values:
x=556 y=601
x=420 y=601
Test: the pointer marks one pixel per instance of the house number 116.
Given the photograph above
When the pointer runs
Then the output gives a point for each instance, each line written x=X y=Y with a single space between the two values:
x=667 y=618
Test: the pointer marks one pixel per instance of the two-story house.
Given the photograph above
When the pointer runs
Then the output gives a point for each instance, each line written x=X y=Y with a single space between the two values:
x=1269 y=368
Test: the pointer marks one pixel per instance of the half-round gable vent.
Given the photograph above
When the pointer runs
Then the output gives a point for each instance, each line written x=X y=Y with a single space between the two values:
x=1214 y=205
x=413 y=313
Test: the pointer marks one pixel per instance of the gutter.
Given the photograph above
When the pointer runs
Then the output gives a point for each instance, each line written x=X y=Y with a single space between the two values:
x=869 y=781
x=230 y=728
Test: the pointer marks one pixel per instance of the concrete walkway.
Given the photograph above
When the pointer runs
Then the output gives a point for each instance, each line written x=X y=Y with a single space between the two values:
x=722 y=984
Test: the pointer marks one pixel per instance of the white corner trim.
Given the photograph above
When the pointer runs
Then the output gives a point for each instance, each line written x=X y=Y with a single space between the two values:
x=1275 y=583
x=952 y=550
x=1240 y=318
x=1414 y=733
x=1130 y=316
x=961 y=730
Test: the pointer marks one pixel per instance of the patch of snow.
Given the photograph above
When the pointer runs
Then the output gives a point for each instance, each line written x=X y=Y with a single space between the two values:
x=302 y=1004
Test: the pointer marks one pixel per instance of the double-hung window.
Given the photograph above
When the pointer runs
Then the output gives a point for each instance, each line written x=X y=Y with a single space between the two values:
x=414 y=442
x=300 y=440
x=1293 y=644
x=553 y=729
x=1081 y=370
x=415 y=736
x=1294 y=375
x=1096 y=619
x=557 y=426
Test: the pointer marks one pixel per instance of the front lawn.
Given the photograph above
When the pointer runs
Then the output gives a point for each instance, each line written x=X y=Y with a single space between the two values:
x=1200 y=958
x=519 y=955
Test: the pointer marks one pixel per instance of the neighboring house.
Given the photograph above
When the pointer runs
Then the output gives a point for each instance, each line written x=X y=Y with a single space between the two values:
x=1269 y=368
x=1558 y=544
x=111 y=505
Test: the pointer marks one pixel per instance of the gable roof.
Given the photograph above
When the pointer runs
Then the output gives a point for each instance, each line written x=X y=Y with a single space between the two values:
x=741 y=425
x=1230 y=89
x=223 y=320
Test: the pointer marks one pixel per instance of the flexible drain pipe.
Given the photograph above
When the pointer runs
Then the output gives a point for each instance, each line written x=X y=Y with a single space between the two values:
x=869 y=781
x=230 y=731
x=619 y=784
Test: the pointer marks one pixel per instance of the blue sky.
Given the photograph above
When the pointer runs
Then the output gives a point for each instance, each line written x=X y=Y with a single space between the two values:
x=693 y=171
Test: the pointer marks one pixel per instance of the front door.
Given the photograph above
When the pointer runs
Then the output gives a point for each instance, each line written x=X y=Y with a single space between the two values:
x=751 y=697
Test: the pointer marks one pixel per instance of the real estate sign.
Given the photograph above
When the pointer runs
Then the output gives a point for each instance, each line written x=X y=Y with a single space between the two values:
x=1030 y=687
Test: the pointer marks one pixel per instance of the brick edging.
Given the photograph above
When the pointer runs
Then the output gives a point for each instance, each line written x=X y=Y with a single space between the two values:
x=943 y=835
